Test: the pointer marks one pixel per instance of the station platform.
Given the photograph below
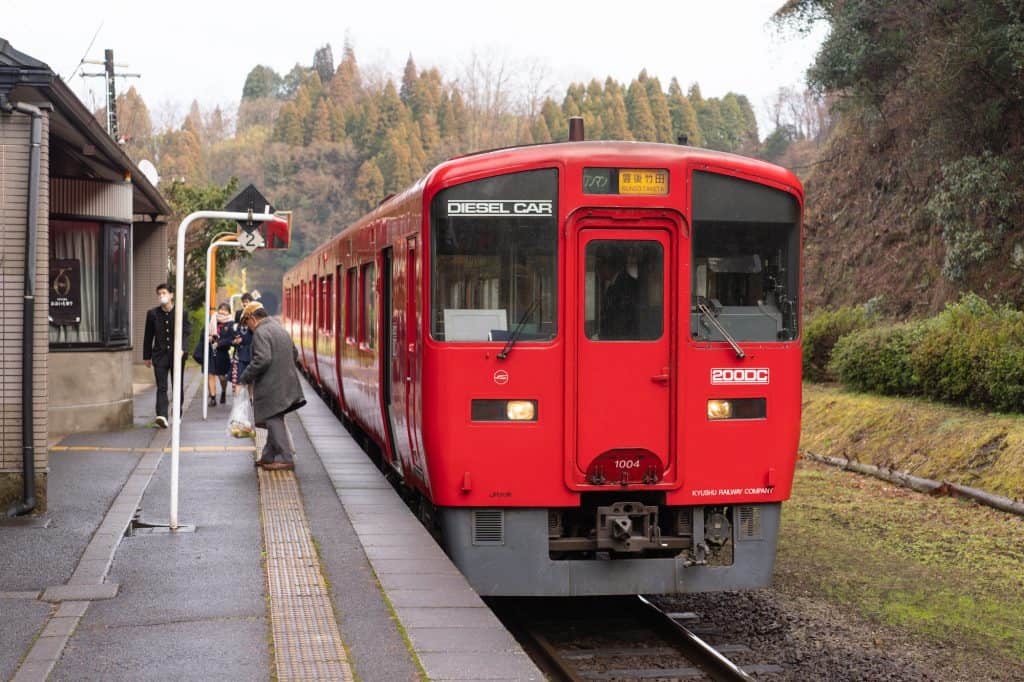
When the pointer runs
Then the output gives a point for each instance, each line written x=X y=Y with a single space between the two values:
x=320 y=574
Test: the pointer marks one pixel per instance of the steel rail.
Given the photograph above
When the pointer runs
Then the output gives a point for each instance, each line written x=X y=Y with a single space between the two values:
x=564 y=666
x=717 y=666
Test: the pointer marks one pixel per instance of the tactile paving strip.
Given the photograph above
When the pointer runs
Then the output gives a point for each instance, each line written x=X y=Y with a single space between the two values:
x=307 y=642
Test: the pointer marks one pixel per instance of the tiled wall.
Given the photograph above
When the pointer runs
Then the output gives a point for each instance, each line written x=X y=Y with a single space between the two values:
x=14 y=163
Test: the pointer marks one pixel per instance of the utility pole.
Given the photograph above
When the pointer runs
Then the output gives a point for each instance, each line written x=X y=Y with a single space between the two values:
x=109 y=74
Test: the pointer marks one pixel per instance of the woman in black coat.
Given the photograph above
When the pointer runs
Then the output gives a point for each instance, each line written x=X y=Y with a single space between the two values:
x=221 y=338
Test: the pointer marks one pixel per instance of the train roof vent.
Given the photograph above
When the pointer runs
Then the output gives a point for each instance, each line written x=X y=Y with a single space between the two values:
x=749 y=523
x=488 y=527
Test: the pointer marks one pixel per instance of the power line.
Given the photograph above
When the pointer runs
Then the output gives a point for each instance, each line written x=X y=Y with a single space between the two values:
x=86 y=54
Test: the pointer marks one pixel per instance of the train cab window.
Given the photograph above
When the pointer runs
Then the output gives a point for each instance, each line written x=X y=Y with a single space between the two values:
x=624 y=290
x=351 y=303
x=494 y=259
x=746 y=267
x=368 y=312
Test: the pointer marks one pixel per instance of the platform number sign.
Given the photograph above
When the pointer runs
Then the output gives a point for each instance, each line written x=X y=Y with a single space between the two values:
x=250 y=241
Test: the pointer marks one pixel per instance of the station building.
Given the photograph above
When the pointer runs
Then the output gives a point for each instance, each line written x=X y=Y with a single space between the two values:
x=97 y=227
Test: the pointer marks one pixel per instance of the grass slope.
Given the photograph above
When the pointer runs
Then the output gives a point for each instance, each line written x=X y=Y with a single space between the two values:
x=930 y=440
x=944 y=570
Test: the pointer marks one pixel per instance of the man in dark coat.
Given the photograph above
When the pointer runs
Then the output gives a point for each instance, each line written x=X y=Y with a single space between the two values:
x=620 y=298
x=157 y=344
x=276 y=388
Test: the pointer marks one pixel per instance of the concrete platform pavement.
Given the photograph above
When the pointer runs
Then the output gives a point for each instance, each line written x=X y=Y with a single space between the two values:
x=190 y=605
x=87 y=474
x=454 y=635
x=156 y=605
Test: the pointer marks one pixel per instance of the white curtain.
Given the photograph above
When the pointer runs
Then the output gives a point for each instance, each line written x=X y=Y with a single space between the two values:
x=80 y=241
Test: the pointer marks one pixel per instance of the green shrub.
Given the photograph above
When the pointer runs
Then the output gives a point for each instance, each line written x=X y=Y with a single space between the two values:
x=971 y=353
x=821 y=333
x=878 y=359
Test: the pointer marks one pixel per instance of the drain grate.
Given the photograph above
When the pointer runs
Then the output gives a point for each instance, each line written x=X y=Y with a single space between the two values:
x=307 y=642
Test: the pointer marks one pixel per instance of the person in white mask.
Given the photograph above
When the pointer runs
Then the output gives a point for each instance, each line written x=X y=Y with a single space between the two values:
x=158 y=344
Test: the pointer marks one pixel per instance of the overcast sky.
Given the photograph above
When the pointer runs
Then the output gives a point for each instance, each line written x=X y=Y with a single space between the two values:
x=192 y=49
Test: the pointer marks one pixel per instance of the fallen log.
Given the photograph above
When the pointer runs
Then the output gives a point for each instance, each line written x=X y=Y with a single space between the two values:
x=923 y=485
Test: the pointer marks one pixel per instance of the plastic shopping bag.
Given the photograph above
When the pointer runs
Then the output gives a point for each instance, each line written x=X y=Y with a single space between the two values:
x=240 y=421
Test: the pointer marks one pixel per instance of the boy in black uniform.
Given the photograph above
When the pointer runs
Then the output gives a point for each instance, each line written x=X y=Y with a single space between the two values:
x=158 y=343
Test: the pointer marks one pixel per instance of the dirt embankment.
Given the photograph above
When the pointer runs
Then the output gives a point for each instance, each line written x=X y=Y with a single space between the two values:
x=926 y=439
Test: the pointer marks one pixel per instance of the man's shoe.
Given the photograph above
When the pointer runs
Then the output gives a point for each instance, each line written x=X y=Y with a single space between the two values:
x=161 y=422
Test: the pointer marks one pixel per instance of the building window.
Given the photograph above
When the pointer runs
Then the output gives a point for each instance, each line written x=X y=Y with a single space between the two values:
x=369 y=318
x=90 y=284
x=116 y=294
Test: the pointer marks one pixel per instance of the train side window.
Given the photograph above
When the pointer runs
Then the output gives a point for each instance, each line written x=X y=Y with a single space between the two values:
x=367 y=313
x=351 y=304
x=624 y=290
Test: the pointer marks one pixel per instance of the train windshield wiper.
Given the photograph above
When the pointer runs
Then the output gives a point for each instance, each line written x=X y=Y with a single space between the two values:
x=713 y=319
x=514 y=336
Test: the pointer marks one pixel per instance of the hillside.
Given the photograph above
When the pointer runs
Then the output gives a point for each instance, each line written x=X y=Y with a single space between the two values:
x=331 y=140
x=917 y=193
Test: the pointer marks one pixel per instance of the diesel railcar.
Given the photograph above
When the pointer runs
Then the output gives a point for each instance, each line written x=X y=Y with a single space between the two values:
x=582 y=358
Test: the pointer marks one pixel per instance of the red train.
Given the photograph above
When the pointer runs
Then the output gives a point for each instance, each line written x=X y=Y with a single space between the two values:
x=582 y=358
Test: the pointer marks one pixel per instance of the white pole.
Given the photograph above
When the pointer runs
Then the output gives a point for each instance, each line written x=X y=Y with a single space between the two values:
x=206 y=311
x=179 y=288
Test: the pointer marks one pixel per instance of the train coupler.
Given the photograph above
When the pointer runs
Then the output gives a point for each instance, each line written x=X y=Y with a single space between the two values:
x=628 y=527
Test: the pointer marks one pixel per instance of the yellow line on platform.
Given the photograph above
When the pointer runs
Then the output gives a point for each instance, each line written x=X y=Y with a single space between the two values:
x=307 y=641
x=188 y=448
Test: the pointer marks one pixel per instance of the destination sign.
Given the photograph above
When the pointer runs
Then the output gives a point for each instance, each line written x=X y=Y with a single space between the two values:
x=500 y=208
x=643 y=181
x=630 y=181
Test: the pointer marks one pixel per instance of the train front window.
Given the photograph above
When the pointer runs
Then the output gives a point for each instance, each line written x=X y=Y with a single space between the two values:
x=494 y=258
x=746 y=266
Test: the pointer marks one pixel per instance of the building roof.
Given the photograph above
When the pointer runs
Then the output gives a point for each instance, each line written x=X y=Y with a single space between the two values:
x=88 y=144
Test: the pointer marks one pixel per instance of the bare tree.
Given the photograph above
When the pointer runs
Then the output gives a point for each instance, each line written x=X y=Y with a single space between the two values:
x=486 y=83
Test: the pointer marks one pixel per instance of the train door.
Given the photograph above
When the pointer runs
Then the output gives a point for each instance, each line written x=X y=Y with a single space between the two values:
x=624 y=349
x=412 y=352
x=339 y=329
x=388 y=339
x=404 y=338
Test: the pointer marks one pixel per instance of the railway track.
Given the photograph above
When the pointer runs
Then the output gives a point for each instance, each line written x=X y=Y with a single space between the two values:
x=623 y=638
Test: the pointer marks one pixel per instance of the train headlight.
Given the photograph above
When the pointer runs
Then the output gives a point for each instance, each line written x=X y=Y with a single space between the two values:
x=520 y=410
x=719 y=409
x=738 y=408
x=501 y=410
